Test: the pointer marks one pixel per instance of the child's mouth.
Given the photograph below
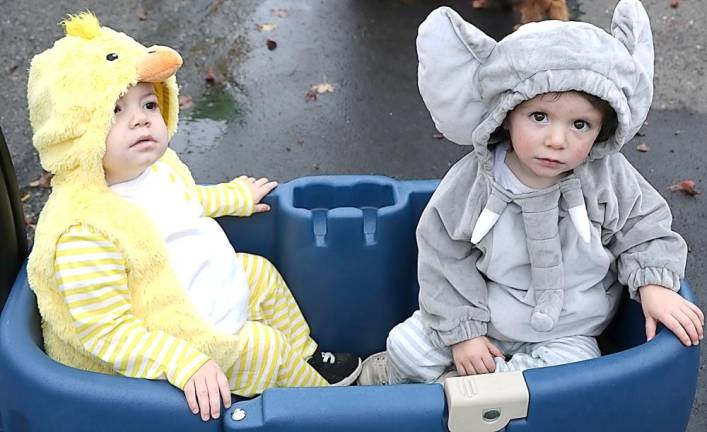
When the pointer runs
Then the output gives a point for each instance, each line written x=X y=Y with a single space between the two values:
x=143 y=140
x=549 y=162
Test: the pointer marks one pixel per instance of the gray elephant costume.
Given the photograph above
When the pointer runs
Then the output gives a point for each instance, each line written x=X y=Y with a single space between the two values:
x=547 y=264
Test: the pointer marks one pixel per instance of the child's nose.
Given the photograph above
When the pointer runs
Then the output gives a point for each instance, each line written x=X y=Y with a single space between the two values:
x=139 y=118
x=556 y=139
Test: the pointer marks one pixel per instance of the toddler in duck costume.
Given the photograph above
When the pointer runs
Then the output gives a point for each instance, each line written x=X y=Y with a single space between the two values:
x=132 y=274
x=528 y=241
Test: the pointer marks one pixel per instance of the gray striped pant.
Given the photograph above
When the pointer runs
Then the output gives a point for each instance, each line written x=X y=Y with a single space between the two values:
x=413 y=358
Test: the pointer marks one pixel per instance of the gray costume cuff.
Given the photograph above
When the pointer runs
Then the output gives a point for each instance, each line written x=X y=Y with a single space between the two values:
x=652 y=275
x=464 y=331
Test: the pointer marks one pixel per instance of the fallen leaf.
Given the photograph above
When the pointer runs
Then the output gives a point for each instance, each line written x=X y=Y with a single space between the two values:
x=142 y=14
x=271 y=44
x=310 y=96
x=282 y=13
x=210 y=76
x=642 y=147
x=323 y=88
x=213 y=6
x=44 y=181
x=438 y=135
x=687 y=186
x=185 y=102
x=268 y=27
x=674 y=3
x=318 y=89
x=26 y=197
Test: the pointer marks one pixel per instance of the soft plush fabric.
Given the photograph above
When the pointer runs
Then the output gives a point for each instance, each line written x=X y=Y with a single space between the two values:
x=72 y=90
x=470 y=83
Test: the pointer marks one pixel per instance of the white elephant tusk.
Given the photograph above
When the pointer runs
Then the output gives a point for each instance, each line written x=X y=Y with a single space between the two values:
x=581 y=221
x=487 y=219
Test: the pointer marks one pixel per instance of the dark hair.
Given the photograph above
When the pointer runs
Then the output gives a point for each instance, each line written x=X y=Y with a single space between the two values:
x=609 y=120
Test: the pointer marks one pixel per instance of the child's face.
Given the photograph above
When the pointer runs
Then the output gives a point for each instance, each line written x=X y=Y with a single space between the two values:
x=138 y=136
x=551 y=134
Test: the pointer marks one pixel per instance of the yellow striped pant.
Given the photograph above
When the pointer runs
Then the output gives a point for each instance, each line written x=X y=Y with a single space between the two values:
x=278 y=341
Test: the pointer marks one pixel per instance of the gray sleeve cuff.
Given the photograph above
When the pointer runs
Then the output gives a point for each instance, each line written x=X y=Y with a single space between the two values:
x=652 y=275
x=464 y=331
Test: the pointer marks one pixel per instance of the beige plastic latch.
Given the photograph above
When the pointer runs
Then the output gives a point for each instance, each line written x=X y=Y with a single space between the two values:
x=485 y=403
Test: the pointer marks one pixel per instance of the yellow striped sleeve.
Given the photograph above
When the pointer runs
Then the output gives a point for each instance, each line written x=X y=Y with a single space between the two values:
x=234 y=198
x=90 y=272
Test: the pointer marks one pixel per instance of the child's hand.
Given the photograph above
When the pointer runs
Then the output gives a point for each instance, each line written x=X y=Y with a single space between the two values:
x=667 y=307
x=475 y=356
x=260 y=188
x=205 y=389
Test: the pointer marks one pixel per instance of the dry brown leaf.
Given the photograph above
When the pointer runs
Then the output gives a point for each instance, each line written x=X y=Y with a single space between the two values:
x=142 y=14
x=643 y=147
x=213 y=6
x=310 y=96
x=185 y=102
x=210 y=76
x=44 y=181
x=318 y=89
x=267 y=27
x=271 y=44
x=687 y=186
x=674 y=3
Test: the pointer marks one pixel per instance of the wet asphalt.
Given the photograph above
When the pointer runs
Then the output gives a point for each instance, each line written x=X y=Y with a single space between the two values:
x=253 y=115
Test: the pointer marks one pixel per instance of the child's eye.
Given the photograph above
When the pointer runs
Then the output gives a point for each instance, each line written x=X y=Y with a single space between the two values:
x=581 y=125
x=116 y=110
x=539 y=117
x=151 y=106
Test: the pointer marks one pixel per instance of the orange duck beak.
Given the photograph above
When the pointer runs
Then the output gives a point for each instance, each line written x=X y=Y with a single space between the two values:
x=158 y=64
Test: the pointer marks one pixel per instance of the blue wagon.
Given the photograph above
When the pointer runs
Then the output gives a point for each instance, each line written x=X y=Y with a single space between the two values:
x=346 y=246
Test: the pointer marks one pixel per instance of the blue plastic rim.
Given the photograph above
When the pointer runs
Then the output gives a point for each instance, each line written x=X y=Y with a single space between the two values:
x=346 y=247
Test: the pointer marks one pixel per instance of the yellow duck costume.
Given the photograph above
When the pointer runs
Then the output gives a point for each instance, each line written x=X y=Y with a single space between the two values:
x=72 y=91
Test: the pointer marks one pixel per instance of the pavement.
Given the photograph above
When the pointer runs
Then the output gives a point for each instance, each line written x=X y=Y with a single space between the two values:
x=253 y=116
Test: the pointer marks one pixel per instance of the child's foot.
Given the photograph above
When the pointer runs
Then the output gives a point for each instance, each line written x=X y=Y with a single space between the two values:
x=374 y=370
x=339 y=369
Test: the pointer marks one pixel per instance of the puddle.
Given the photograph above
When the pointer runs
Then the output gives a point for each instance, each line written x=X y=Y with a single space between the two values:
x=218 y=103
x=203 y=125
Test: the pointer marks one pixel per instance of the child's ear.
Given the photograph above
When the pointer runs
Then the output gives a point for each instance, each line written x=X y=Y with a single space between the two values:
x=450 y=52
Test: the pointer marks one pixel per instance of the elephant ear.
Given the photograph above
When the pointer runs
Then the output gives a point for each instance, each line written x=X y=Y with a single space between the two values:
x=450 y=52
x=630 y=26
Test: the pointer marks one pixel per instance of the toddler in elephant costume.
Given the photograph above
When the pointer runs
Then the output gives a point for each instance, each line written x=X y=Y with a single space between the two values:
x=528 y=240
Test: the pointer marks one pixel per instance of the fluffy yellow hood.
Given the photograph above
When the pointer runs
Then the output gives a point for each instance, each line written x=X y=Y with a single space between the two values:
x=73 y=87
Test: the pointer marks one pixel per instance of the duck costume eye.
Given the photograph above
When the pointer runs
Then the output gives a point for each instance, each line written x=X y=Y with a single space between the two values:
x=112 y=56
